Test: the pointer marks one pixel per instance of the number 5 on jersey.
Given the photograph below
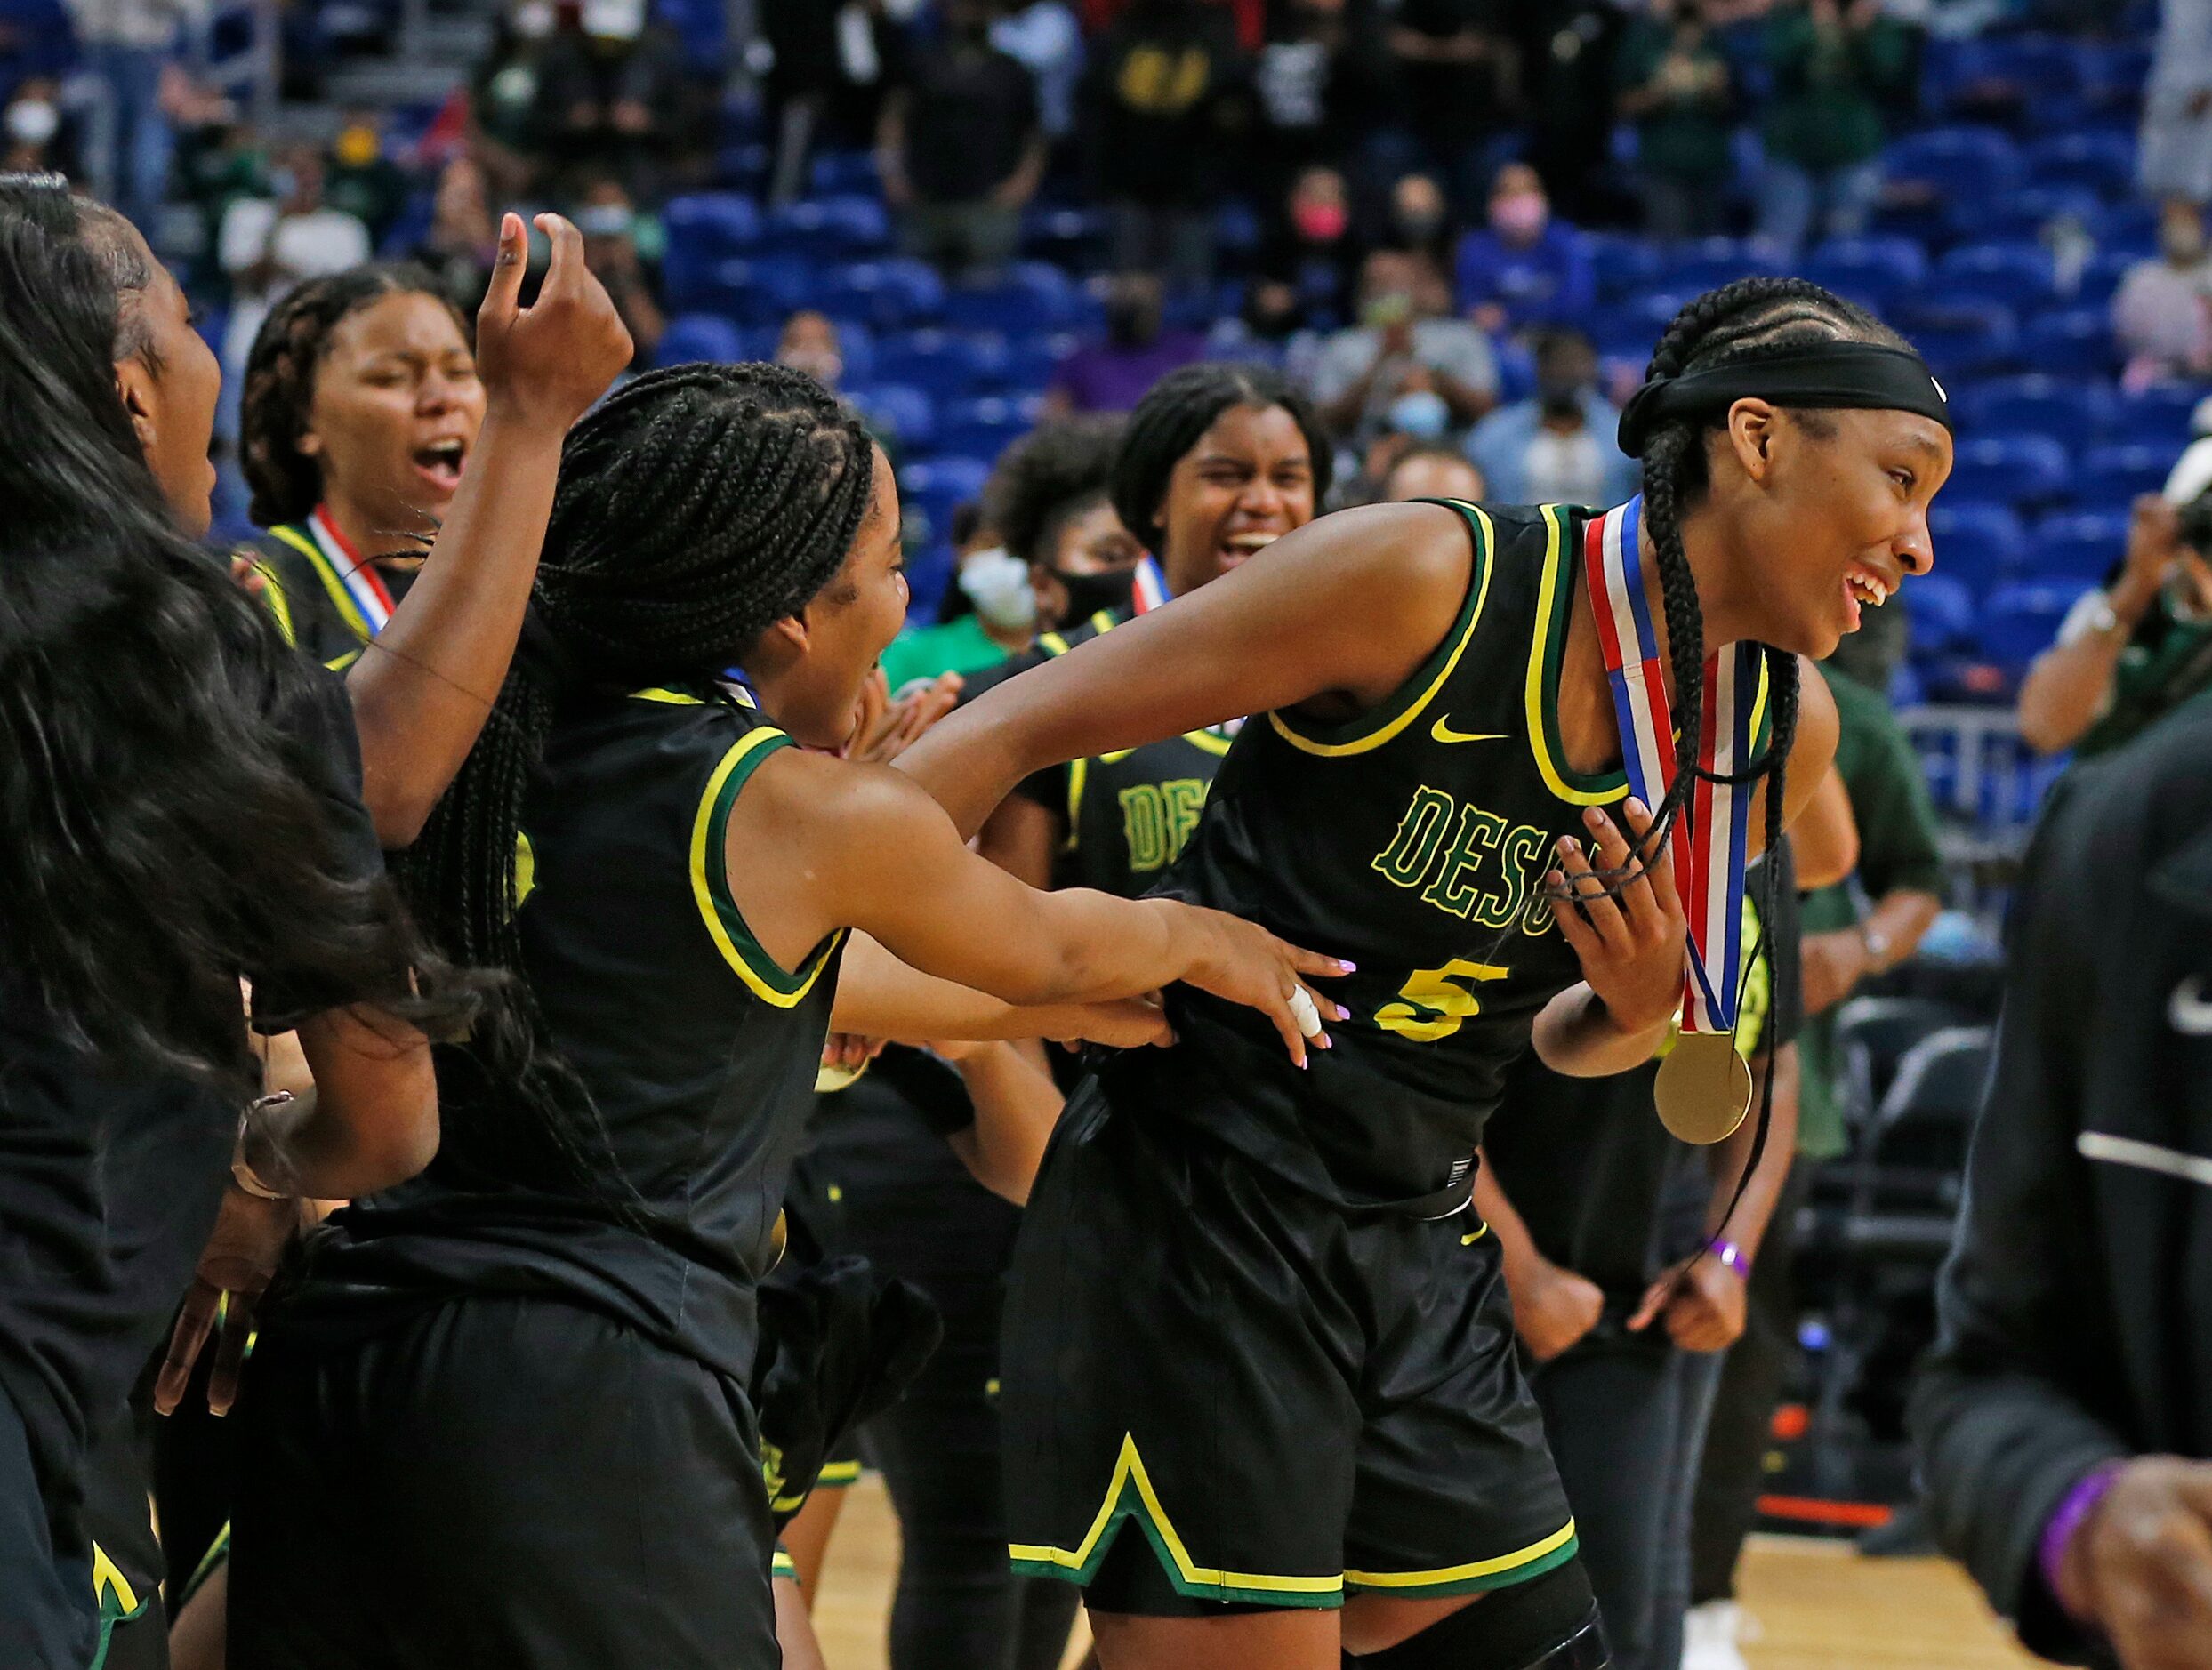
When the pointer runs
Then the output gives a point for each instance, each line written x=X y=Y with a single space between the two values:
x=1435 y=1001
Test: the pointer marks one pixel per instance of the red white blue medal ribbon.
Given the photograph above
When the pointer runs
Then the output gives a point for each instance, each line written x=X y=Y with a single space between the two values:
x=1148 y=587
x=362 y=583
x=1709 y=839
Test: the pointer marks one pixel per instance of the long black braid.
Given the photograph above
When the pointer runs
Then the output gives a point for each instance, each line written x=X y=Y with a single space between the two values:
x=1743 y=321
x=697 y=506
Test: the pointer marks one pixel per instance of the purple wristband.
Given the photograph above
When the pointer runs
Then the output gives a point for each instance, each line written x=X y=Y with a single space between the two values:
x=2066 y=1522
x=1731 y=1255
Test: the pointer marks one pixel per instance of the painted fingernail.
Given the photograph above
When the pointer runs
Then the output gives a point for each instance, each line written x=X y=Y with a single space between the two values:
x=1348 y=965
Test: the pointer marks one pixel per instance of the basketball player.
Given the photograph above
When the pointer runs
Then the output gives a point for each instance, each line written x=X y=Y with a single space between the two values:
x=1253 y=1329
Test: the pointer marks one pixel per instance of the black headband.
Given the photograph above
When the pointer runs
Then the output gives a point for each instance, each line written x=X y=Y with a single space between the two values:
x=1863 y=376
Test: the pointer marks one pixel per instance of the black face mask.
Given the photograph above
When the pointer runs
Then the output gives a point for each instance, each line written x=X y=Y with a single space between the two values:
x=1087 y=594
x=1131 y=324
x=1559 y=400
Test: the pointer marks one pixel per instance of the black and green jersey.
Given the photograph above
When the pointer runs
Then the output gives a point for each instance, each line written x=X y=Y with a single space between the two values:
x=698 y=1052
x=1412 y=840
x=323 y=603
x=1128 y=815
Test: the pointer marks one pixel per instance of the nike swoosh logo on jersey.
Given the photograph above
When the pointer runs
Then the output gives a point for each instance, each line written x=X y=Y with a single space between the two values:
x=1442 y=731
x=2191 y=1011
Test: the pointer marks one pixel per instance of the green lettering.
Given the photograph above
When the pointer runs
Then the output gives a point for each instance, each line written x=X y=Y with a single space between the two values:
x=1453 y=889
x=1501 y=906
x=1407 y=857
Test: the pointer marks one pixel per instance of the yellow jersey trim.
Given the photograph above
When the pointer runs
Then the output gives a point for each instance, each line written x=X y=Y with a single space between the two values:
x=725 y=924
x=1541 y=666
x=1188 y=1576
x=672 y=698
x=277 y=603
x=355 y=622
x=1560 y=1544
x=1078 y=780
x=783 y=1566
x=1484 y=543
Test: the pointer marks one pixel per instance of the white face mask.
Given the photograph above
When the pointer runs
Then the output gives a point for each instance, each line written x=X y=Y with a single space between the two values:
x=997 y=582
x=32 y=121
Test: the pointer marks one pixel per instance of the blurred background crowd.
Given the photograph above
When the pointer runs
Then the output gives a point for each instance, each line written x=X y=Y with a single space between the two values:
x=1460 y=224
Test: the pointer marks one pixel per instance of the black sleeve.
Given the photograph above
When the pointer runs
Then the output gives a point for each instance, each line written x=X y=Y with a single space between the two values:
x=2001 y=1416
x=934 y=1089
x=322 y=746
x=1048 y=787
x=1785 y=999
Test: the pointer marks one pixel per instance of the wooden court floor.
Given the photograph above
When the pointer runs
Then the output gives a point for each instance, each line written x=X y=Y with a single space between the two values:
x=1816 y=1605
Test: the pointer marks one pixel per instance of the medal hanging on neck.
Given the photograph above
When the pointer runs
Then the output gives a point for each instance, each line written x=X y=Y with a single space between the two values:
x=1148 y=587
x=364 y=585
x=1704 y=1087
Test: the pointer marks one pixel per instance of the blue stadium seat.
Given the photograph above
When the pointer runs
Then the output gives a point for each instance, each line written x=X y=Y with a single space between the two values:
x=1955 y=162
x=1074 y=237
x=1872 y=270
x=2101 y=278
x=857 y=224
x=840 y=174
x=920 y=287
x=931 y=489
x=2114 y=477
x=2019 y=623
x=2065 y=410
x=704 y=231
x=904 y=410
x=949 y=366
x=2112 y=76
x=2023 y=214
x=2130 y=225
x=1941 y=608
x=1961 y=339
x=2077 y=545
x=2025 y=471
x=2016 y=274
x=2158 y=415
x=986 y=427
x=1978 y=542
x=2099 y=160
x=855 y=345
x=1236 y=229
x=1030 y=295
x=1713 y=261
x=1625 y=265
x=2074 y=343
x=699 y=336
x=1030 y=362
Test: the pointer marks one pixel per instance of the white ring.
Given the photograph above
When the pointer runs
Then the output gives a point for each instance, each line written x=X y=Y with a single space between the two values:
x=1303 y=1011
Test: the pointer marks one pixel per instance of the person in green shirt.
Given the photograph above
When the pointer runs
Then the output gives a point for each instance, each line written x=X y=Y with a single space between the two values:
x=2130 y=652
x=1838 y=68
x=1676 y=86
x=1046 y=549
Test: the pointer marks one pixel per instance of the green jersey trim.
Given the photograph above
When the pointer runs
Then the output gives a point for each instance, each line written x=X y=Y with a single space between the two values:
x=709 y=880
x=1370 y=731
x=1129 y=1495
x=346 y=611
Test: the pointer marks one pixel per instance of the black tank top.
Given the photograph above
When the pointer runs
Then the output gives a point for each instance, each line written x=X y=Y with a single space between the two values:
x=1412 y=840
x=699 y=1053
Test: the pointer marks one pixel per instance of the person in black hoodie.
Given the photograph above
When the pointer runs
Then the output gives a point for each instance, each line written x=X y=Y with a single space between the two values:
x=2064 y=1420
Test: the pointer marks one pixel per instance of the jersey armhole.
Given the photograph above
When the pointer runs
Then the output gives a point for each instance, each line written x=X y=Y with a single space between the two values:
x=1370 y=730
x=709 y=879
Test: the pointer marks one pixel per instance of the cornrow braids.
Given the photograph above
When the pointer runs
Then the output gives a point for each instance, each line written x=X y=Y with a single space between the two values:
x=697 y=506
x=280 y=373
x=1744 y=321
x=1182 y=406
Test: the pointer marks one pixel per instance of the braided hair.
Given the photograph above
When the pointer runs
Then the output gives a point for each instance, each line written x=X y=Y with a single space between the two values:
x=1182 y=406
x=1740 y=322
x=280 y=370
x=697 y=506
x=1747 y=320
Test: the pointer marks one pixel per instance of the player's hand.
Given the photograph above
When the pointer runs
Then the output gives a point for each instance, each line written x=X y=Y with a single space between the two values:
x=547 y=362
x=849 y=1052
x=1831 y=965
x=239 y=1260
x=887 y=728
x=1703 y=1302
x=1552 y=1307
x=1630 y=941
x=2154 y=546
x=1236 y=959
x=2141 y=1565
x=1125 y=1024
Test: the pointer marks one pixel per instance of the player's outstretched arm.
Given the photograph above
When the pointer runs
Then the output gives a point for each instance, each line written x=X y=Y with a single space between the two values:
x=877 y=996
x=1346 y=608
x=869 y=851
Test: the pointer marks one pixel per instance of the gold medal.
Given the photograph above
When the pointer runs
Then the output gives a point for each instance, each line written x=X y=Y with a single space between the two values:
x=1704 y=1088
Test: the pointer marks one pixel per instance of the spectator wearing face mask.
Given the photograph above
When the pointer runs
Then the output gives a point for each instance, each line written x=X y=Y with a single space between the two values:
x=1311 y=248
x=1523 y=268
x=623 y=249
x=1418 y=221
x=1676 y=86
x=1840 y=68
x=38 y=141
x=962 y=146
x=1407 y=366
x=360 y=179
x=1112 y=376
x=2162 y=315
x=1557 y=447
